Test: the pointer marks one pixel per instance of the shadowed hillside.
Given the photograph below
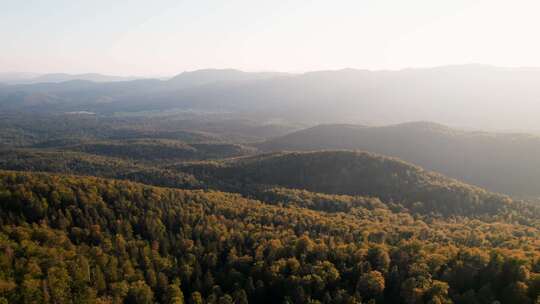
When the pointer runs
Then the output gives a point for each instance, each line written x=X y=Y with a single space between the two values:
x=508 y=163
x=149 y=150
x=353 y=173
x=76 y=163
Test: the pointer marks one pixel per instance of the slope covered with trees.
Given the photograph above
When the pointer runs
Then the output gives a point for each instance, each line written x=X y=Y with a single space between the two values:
x=150 y=150
x=92 y=165
x=353 y=173
x=64 y=129
x=304 y=227
x=507 y=163
x=86 y=240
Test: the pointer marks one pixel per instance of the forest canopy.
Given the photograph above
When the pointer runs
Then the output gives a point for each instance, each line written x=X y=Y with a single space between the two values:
x=85 y=240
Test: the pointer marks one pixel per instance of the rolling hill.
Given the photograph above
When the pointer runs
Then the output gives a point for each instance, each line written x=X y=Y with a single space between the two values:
x=76 y=163
x=60 y=130
x=502 y=162
x=351 y=173
x=151 y=150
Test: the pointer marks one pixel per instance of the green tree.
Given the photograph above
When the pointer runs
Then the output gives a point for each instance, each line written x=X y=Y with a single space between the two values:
x=371 y=284
x=196 y=298
x=139 y=293
x=174 y=294
x=58 y=285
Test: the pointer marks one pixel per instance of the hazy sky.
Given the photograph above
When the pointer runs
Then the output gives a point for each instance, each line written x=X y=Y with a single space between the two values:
x=143 y=37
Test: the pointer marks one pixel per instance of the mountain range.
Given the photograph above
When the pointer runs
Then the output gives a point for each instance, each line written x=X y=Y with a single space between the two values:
x=32 y=78
x=474 y=96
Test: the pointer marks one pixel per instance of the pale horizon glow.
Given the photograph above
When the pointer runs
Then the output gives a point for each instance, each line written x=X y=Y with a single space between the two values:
x=136 y=37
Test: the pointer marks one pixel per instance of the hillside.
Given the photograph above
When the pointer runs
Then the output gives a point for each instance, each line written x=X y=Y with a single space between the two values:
x=96 y=240
x=507 y=163
x=404 y=186
x=149 y=150
x=352 y=173
x=67 y=162
x=61 y=130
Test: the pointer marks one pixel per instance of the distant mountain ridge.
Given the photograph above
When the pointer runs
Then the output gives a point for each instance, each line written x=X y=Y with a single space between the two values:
x=95 y=77
x=475 y=96
x=179 y=81
x=34 y=78
x=212 y=76
x=103 y=94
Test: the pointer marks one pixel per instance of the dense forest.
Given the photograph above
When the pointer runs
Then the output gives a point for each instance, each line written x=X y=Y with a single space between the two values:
x=502 y=162
x=138 y=165
x=62 y=129
x=159 y=150
x=86 y=240
x=352 y=173
x=87 y=164
x=169 y=209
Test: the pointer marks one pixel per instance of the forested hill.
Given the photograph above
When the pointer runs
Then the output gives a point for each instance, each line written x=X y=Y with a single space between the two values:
x=405 y=186
x=507 y=163
x=90 y=240
x=150 y=150
x=354 y=173
x=77 y=163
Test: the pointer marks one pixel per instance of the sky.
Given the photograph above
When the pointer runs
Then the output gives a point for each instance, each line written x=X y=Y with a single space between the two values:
x=160 y=38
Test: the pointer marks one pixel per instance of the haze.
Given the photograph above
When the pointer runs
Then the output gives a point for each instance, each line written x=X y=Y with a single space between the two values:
x=166 y=37
x=244 y=151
